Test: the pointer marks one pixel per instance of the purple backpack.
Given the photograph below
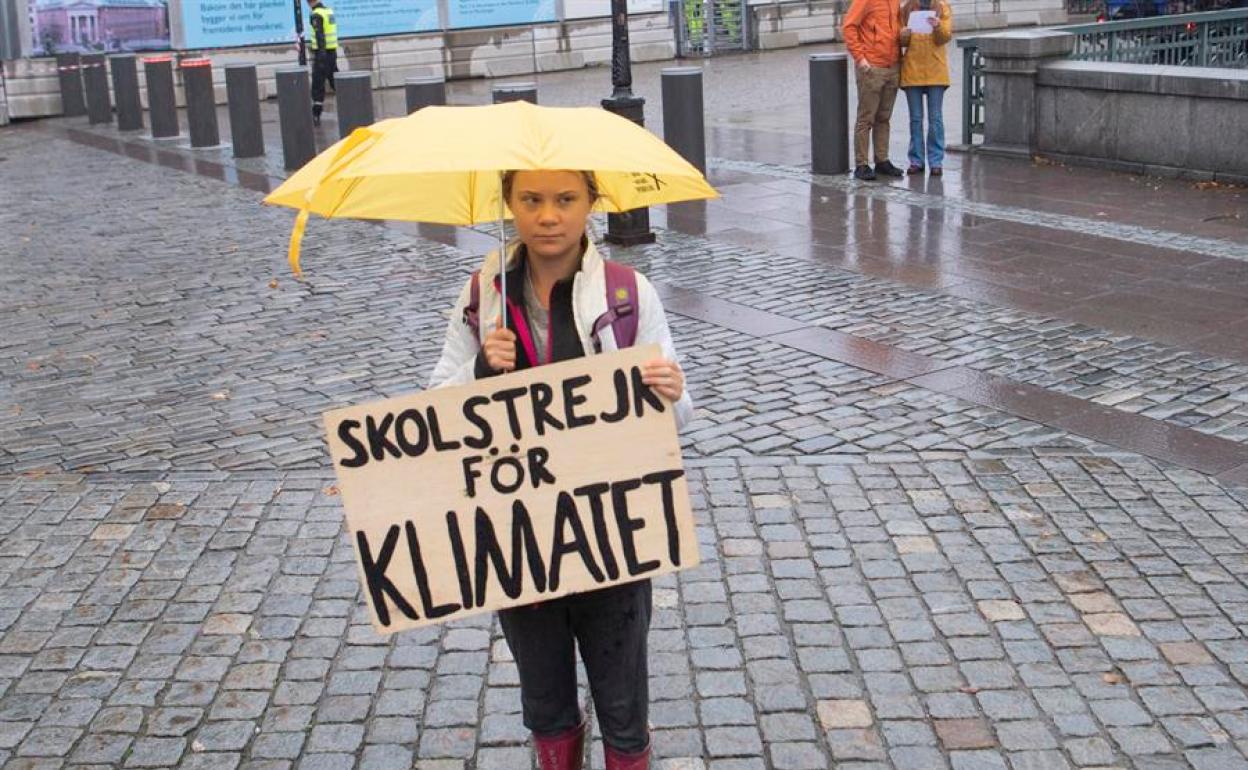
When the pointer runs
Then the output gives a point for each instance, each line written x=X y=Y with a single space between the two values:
x=621 y=315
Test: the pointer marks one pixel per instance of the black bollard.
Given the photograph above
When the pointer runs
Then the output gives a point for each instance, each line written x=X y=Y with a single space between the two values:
x=95 y=85
x=294 y=108
x=201 y=103
x=242 y=93
x=126 y=92
x=683 y=127
x=425 y=91
x=162 y=98
x=353 y=101
x=829 y=113
x=69 y=71
x=515 y=92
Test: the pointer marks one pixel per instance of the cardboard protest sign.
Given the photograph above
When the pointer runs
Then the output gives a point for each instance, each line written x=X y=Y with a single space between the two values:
x=512 y=490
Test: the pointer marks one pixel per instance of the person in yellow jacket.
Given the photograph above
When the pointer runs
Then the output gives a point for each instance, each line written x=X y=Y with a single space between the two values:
x=324 y=44
x=924 y=77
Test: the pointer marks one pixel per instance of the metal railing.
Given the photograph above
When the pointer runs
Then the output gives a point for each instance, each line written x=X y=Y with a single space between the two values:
x=972 y=90
x=706 y=27
x=1210 y=39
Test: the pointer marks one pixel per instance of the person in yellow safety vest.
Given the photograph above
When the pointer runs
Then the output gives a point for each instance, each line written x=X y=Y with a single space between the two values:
x=693 y=23
x=324 y=45
x=731 y=18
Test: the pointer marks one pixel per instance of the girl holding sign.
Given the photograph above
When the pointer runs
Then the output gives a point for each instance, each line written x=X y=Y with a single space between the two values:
x=564 y=301
x=925 y=76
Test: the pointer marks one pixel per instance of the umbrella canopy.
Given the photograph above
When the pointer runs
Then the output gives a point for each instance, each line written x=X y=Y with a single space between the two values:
x=444 y=164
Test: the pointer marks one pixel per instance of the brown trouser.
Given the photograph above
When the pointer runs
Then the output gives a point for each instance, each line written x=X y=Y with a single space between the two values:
x=877 y=92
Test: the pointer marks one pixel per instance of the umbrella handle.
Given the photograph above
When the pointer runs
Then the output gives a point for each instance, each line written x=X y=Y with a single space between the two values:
x=502 y=251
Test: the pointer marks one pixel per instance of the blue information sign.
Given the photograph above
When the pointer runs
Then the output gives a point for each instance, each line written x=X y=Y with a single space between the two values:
x=226 y=23
x=362 y=18
x=497 y=13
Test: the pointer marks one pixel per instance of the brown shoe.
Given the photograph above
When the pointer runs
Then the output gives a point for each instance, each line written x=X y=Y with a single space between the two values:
x=938 y=171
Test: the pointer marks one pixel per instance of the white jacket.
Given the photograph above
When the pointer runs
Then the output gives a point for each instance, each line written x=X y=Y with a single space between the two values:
x=589 y=301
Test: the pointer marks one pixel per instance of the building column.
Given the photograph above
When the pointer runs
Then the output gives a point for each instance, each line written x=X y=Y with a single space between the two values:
x=1010 y=63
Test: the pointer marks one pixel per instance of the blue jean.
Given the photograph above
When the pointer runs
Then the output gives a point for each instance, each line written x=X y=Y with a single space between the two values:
x=935 y=153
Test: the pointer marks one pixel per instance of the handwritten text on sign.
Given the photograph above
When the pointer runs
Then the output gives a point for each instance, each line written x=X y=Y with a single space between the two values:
x=512 y=490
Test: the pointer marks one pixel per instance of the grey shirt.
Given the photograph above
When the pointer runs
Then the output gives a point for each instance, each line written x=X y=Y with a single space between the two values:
x=539 y=321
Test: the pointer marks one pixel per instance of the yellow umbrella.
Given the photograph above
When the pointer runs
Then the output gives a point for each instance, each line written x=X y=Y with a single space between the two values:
x=444 y=165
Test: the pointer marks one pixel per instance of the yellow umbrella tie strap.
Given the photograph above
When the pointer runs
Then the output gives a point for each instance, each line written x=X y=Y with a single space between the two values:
x=356 y=138
x=296 y=238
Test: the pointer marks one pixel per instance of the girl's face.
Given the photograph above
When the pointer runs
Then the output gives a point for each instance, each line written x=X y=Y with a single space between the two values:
x=550 y=210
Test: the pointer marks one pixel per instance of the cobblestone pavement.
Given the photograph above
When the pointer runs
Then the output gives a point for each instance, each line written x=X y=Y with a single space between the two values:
x=1198 y=391
x=892 y=577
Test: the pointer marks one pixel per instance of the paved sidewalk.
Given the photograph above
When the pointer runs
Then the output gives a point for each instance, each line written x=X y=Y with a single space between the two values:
x=968 y=466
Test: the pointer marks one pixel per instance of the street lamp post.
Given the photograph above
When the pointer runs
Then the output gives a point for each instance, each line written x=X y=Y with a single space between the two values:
x=300 y=41
x=630 y=227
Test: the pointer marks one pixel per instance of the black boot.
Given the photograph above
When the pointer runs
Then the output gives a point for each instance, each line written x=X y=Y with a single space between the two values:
x=886 y=168
x=864 y=174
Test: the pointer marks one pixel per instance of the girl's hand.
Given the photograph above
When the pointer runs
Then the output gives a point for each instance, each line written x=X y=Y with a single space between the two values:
x=933 y=22
x=500 y=348
x=665 y=378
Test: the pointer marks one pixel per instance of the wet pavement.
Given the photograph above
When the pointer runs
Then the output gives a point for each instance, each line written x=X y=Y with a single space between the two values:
x=968 y=464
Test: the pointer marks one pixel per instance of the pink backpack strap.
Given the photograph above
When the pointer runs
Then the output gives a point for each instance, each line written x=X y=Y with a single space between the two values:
x=622 y=309
x=472 y=311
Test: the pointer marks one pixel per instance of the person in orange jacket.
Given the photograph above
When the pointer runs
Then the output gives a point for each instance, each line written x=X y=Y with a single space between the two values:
x=925 y=76
x=873 y=36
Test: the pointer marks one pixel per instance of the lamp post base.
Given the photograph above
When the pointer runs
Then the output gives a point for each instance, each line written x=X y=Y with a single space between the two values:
x=629 y=228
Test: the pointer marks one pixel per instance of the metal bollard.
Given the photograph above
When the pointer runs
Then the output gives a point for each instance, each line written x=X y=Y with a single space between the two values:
x=829 y=113
x=515 y=92
x=294 y=108
x=683 y=127
x=162 y=99
x=126 y=91
x=354 y=101
x=242 y=93
x=201 y=103
x=69 y=71
x=95 y=85
x=425 y=91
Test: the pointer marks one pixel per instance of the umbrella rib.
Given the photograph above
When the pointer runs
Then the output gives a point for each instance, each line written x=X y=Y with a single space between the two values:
x=342 y=199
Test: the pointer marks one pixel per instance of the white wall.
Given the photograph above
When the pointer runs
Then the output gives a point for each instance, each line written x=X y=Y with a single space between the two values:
x=582 y=40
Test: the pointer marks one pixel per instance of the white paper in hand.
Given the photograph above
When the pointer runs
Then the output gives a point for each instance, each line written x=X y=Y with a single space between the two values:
x=919 y=22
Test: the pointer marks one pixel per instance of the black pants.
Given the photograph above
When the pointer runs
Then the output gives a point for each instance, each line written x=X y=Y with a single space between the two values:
x=610 y=627
x=324 y=65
